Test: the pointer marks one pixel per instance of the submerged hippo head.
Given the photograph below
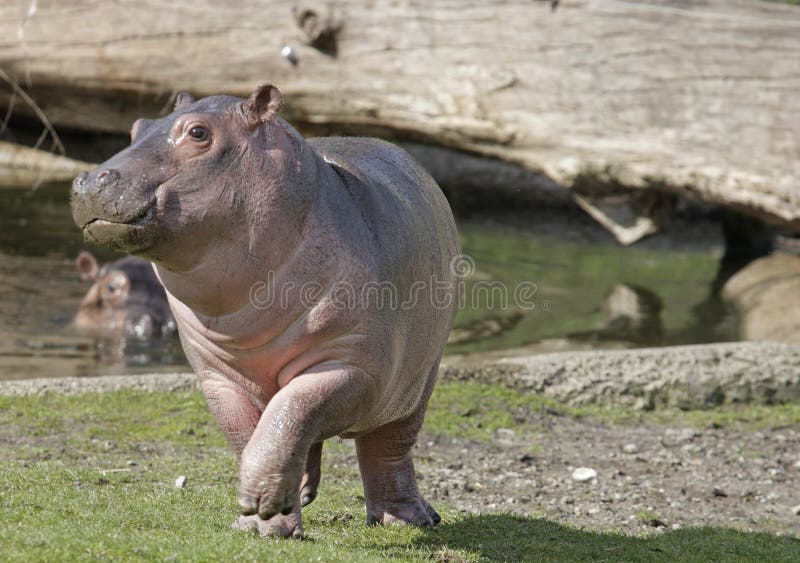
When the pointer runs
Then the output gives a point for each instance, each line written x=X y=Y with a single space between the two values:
x=183 y=183
x=125 y=299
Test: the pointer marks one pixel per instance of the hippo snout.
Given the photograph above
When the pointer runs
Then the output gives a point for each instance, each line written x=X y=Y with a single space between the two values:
x=112 y=209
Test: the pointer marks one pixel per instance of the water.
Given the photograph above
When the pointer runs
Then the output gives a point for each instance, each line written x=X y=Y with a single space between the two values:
x=580 y=294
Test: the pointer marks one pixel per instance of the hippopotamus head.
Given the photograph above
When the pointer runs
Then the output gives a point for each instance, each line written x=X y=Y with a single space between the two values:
x=183 y=186
x=126 y=299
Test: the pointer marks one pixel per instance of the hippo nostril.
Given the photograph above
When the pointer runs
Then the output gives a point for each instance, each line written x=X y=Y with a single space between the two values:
x=106 y=177
x=79 y=183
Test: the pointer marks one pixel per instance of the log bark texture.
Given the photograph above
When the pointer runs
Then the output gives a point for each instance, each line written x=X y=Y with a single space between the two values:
x=694 y=97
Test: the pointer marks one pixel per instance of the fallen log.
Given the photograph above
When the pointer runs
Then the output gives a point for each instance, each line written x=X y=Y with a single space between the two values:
x=602 y=96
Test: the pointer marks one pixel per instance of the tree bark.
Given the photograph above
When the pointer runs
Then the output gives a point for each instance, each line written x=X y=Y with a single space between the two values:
x=691 y=98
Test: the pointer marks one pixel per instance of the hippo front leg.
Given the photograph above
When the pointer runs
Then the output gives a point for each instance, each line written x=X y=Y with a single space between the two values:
x=233 y=410
x=238 y=417
x=317 y=404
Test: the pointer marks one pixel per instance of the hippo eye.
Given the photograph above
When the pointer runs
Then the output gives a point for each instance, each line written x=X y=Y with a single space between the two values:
x=198 y=133
x=112 y=287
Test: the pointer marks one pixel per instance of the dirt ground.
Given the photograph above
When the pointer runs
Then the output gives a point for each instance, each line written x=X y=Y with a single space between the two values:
x=650 y=478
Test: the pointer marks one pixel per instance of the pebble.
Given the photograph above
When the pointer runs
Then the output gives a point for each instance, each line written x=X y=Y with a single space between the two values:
x=676 y=436
x=181 y=481
x=582 y=474
x=630 y=448
x=504 y=436
x=796 y=510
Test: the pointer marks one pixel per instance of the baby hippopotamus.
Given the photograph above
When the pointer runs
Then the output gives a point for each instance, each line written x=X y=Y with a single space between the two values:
x=126 y=299
x=311 y=283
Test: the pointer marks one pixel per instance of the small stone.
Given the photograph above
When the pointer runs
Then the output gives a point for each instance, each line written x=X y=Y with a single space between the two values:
x=181 y=481
x=582 y=474
x=504 y=436
x=132 y=463
x=719 y=493
x=630 y=448
x=797 y=464
x=288 y=53
x=678 y=436
x=796 y=510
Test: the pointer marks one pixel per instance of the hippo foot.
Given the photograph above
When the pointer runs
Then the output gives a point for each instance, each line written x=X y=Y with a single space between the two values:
x=279 y=526
x=311 y=477
x=415 y=511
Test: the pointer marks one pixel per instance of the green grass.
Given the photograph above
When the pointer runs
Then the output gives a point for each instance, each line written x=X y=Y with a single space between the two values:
x=746 y=417
x=92 y=478
x=475 y=410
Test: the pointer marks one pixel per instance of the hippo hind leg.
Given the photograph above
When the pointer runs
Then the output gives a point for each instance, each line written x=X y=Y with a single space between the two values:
x=387 y=471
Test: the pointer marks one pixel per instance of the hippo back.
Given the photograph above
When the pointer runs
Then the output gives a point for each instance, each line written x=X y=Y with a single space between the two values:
x=392 y=189
x=409 y=239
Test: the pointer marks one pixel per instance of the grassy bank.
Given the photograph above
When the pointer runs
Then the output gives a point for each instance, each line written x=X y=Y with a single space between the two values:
x=92 y=477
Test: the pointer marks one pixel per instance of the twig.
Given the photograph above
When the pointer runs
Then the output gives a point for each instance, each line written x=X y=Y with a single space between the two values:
x=57 y=145
x=7 y=118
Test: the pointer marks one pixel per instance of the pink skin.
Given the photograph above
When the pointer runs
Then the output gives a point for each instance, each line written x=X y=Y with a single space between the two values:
x=283 y=375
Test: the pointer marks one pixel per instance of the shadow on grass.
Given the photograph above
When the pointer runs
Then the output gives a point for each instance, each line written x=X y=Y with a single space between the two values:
x=498 y=537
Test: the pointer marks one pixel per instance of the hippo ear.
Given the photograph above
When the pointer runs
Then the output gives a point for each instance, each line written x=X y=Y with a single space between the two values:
x=182 y=100
x=87 y=266
x=262 y=105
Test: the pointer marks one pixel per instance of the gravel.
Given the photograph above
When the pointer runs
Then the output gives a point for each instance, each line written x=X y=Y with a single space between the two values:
x=720 y=477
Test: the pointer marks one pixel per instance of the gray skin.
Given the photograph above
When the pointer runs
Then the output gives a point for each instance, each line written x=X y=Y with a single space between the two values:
x=125 y=300
x=271 y=249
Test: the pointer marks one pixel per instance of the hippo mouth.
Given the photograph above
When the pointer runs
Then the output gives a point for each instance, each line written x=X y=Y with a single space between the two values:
x=128 y=235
